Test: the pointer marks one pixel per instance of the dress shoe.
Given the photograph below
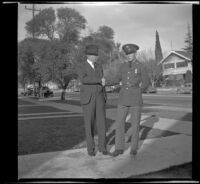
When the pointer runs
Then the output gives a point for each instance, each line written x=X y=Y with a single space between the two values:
x=105 y=152
x=133 y=153
x=117 y=152
x=92 y=154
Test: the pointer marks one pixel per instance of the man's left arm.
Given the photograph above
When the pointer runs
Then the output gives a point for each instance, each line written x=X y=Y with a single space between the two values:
x=145 y=78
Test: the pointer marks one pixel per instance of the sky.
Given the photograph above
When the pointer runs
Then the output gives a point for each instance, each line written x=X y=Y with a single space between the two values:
x=132 y=23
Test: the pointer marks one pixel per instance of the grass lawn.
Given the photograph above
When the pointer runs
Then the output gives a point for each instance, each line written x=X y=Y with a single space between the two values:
x=77 y=102
x=22 y=102
x=37 y=109
x=53 y=134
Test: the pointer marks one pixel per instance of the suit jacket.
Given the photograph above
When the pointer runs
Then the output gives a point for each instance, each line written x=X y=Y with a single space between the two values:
x=90 y=82
x=134 y=81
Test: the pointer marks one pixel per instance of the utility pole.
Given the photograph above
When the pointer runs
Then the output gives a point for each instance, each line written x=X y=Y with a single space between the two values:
x=33 y=12
x=33 y=35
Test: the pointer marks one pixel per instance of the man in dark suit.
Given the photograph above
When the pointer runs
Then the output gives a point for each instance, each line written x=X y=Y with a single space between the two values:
x=135 y=80
x=93 y=98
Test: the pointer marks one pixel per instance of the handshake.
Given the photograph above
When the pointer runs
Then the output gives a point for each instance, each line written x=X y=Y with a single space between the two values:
x=103 y=81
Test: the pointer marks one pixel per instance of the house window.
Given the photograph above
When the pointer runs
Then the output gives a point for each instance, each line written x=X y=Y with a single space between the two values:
x=181 y=64
x=169 y=65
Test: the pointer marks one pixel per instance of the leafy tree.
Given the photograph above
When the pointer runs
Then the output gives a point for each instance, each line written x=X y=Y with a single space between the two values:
x=154 y=71
x=188 y=41
x=25 y=63
x=106 y=32
x=56 y=64
x=43 y=24
x=70 y=23
x=28 y=57
x=56 y=57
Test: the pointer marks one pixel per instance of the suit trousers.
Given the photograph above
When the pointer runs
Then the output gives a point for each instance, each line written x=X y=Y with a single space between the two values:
x=122 y=112
x=93 y=112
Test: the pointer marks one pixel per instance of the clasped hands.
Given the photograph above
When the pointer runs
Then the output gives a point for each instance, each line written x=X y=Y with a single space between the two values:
x=103 y=81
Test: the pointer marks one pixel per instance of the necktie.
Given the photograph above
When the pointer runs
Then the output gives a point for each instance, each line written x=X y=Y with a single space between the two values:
x=95 y=66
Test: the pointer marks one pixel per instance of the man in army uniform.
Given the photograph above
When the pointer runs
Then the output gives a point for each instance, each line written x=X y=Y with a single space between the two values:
x=93 y=98
x=135 y=80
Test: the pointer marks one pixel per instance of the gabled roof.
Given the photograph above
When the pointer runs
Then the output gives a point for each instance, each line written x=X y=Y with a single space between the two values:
x=186 y=54
x=181 y=54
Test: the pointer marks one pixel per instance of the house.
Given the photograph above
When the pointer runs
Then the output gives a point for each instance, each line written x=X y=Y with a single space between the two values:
x=175 y=66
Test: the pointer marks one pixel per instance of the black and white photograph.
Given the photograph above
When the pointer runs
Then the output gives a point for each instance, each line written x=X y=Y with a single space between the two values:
x=105 y=90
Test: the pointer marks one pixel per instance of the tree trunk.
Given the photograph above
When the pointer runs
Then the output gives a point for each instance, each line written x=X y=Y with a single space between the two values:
x=24 y=86
x=152 y=83
x=63 y=94
x=39 y=87
x=34 y=88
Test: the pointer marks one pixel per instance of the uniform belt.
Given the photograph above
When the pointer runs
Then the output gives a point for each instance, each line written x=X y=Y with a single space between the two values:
x=96 y=83
x=130 y=86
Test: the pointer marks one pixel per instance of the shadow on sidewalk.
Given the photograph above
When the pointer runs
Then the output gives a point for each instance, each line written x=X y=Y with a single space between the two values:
x=145 y=133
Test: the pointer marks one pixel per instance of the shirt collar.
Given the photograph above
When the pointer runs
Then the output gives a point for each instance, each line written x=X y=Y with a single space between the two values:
x=91 y=63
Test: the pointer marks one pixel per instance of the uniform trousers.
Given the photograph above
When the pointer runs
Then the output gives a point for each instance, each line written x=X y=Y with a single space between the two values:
x=122 y=112
x=93 y=112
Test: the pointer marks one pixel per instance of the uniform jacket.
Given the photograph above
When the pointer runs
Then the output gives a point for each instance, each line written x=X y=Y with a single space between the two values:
x=134 y=81
x=90 y=82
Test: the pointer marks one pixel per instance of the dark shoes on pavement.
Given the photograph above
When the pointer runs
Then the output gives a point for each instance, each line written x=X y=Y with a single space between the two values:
x=104 y=152
x=92 y=154
x=117 y=152
x=133 y=153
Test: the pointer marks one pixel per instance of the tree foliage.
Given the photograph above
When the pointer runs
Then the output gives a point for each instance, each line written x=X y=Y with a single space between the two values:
x=43 y=24
x=154 y=70
x=70 y=23
x=55 y=58
x=158 y=50
x=106 y=32
x=188 y=41
x=25 y=63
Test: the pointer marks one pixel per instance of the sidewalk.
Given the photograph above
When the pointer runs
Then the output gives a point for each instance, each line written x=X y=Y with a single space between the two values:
x=153 y=155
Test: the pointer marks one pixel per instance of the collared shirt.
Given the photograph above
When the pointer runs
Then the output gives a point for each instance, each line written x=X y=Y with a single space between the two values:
x=91 y=63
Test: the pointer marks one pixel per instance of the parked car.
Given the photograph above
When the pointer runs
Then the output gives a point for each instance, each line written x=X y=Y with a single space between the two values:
x=185 y=89
x=150 y=89
x=28 y=92
x=46 y=92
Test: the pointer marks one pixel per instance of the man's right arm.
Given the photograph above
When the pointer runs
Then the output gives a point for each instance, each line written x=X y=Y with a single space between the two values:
x=84 y=78
x=116 y=80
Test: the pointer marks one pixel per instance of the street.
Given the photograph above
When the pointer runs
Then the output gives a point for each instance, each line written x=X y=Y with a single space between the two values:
x=170 y=99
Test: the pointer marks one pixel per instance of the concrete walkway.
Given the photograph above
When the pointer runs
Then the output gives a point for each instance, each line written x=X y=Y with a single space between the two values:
x=154 y=154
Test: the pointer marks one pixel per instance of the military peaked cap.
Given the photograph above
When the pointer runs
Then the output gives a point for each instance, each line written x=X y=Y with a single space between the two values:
x=91 y=50
x=130 y=48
